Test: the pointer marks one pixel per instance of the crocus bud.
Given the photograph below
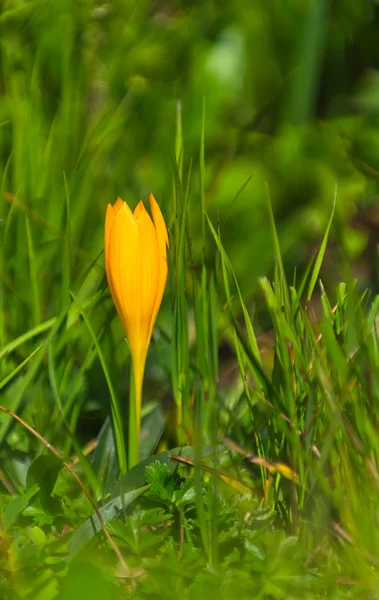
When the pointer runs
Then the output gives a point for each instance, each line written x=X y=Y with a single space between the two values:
x=136 y=265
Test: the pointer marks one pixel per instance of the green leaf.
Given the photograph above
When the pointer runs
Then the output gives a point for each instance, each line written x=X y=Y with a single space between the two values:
x=136 y=477
x=157 y=475
x=37 y=536
x=91 y=526
x=44 y=472
x=14 y=344
x=17 y=505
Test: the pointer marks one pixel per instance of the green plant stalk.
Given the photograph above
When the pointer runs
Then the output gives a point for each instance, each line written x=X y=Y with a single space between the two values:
x=33 y=276
x=135 y=403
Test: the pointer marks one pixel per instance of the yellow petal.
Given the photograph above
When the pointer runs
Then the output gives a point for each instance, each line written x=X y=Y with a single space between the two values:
x=159 y=222
x=111 y=213
x=109 y=220
x=124 y=261
x=162 y=243
x=149 y=269
x=138 y=209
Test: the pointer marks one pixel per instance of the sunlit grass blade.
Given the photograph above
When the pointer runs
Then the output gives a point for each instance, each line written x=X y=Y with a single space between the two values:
x=321 y=253
x=66 y=257
x=238 y=194
x=303 y=283
x=87 y=289
x=179 y=140
x=28 y=335
x=202 y=178
x=180 y=248
x=200 y=305
x=21 y=385
x=281 y=279
x=226 y=262
x=179 y=341
x=37 y=218
x=33 y=276
x=373 y=314
x=11 y=375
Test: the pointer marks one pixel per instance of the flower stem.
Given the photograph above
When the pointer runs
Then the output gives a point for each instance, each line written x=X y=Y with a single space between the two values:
x=135 y=403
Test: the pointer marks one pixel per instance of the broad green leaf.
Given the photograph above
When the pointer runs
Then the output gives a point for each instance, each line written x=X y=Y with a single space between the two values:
x=91 y=526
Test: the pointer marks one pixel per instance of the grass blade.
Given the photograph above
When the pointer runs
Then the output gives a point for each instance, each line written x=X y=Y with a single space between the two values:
x=115 y=409
x=320 y=256
x=36 y=307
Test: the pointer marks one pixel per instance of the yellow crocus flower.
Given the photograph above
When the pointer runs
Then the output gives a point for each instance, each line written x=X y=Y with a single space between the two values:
x=135 y=250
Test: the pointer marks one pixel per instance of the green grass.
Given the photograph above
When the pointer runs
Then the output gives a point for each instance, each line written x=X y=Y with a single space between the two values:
x=257 y=133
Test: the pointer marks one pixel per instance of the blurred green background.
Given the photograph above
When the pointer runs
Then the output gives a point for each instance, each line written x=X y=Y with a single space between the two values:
x=91 y=95
x=89 y=92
